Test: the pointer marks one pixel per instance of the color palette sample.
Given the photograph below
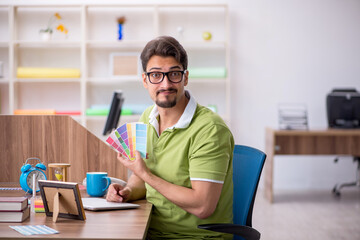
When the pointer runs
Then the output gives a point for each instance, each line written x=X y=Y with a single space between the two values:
x=128 y=138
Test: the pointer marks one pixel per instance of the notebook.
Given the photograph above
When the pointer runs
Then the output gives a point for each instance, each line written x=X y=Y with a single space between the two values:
x=99 y=204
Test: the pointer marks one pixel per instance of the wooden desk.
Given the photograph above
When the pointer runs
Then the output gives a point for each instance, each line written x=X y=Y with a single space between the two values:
x=119 y=224
x=294 y=142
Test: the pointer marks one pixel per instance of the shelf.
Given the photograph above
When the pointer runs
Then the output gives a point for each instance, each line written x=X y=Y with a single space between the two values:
x=112 y=80
x=47 y=44
x=126 y=118
x=204 y=45
x=121 y=44
x=124 y=44
x=47 y=80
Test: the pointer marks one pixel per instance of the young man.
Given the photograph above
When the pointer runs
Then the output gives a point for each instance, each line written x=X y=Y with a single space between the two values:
x=188 y=174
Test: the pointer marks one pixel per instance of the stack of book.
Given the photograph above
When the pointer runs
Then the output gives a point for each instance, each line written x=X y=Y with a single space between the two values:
x=14 y=209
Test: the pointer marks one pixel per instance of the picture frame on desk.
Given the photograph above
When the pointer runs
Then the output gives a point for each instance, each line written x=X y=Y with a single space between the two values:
x=62 y=199
x=125 y=64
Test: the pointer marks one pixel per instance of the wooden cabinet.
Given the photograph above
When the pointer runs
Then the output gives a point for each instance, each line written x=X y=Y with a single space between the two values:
x=91 y=41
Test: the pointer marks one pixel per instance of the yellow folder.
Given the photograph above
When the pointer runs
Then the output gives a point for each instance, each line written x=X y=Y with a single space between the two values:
x=31 y=72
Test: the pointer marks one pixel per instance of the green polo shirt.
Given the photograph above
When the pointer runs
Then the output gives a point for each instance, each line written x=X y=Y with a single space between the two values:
x=199 y=147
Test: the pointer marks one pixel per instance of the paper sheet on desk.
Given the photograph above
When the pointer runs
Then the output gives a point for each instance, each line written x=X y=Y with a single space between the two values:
x=99 y=204
x=28 y=230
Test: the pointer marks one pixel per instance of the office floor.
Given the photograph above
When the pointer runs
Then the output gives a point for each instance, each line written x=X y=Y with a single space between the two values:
x=308 y=215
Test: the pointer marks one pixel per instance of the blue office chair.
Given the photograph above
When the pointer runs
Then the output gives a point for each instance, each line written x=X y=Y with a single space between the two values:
x=248 y=163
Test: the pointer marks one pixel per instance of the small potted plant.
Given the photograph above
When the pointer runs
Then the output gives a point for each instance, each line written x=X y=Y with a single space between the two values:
x=47 y=32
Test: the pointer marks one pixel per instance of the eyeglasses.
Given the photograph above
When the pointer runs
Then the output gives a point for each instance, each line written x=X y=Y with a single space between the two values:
x=158 y=77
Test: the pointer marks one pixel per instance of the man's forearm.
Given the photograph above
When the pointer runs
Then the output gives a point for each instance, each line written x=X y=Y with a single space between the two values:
x=200 y=200
x=137 y=187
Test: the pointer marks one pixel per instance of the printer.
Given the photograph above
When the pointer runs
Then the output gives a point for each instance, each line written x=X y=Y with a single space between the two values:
x=343 y=108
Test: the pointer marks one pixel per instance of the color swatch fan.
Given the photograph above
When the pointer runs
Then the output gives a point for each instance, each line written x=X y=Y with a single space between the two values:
x=128 y=138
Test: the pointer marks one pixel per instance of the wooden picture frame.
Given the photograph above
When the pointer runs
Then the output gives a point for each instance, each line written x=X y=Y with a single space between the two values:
x=125 y=64
x=62 y=199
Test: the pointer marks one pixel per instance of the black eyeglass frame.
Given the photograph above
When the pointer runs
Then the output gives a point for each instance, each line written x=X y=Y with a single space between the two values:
x=167 y=75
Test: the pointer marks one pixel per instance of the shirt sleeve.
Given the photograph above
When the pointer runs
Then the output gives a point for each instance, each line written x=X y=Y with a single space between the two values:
x=211 y=155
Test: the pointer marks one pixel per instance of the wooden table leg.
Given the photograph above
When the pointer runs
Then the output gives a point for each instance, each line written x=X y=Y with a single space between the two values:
x=269 y=165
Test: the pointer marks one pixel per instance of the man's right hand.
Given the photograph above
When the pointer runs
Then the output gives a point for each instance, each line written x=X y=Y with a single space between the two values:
x=118 y=193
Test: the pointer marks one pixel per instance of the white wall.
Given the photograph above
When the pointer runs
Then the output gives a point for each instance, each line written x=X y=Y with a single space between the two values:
x=292 y=51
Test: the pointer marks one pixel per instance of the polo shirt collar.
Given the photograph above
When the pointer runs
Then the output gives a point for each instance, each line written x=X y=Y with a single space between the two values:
x=185 y=118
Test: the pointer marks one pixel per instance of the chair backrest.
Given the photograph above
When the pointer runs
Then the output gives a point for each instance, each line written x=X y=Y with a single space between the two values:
x=248 y=163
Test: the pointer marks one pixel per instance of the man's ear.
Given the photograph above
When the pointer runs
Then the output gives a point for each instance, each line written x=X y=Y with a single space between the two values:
x=186 y=77
x=144 y=80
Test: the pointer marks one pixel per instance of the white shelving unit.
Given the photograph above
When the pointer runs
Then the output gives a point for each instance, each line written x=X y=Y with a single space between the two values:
x=92 y=38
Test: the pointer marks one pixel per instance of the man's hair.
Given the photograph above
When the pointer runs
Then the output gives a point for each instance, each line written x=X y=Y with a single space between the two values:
x=164 y=46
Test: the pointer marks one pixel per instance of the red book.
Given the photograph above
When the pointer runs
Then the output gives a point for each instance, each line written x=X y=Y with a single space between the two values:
x=13 y=203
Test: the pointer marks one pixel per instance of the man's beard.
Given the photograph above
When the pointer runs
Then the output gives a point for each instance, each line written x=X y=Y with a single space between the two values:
x=167 y=103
